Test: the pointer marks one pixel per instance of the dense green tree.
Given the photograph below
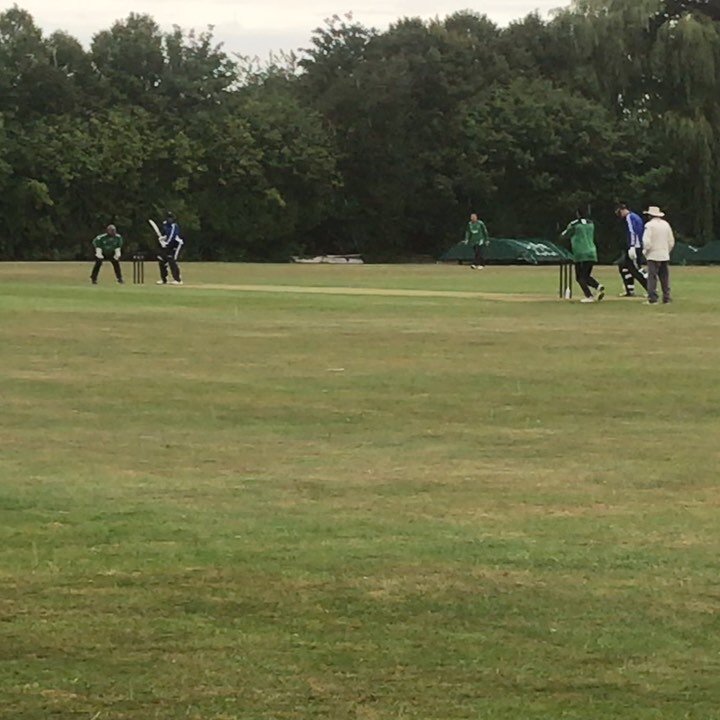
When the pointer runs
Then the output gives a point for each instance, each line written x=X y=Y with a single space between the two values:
x=196 y=71
x=393 y=100
x=548 y=151
x=130 y=60
x=380 y=142
x=33 y=82
x=658 y=61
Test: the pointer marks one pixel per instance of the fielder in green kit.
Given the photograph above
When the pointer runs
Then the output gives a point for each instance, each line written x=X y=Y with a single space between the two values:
x=476 y=234
x=582 y=241
x=108 y=245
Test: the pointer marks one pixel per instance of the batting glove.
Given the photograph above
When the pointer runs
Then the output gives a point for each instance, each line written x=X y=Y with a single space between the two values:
x=632 y=254
x=117 y=253
x=98 y=253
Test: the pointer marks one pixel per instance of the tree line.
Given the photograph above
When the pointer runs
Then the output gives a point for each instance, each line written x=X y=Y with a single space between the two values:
x=374 y=142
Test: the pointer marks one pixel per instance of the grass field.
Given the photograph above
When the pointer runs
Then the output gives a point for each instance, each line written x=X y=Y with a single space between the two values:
x=249 y=499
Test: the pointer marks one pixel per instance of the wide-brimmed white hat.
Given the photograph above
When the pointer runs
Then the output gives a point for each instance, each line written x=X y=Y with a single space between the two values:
x=654 y=211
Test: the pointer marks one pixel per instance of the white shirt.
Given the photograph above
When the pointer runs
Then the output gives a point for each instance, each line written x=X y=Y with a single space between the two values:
x=658 y=240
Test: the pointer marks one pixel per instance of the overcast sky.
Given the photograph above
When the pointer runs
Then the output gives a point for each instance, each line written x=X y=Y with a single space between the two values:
x=257 y=27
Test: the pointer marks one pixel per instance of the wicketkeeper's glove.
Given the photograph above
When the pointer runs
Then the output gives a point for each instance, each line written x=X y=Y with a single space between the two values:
x=98 y=253
x=117 y=253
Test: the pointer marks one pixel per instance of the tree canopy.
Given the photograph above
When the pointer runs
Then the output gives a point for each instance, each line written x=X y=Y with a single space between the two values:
x=380 y=142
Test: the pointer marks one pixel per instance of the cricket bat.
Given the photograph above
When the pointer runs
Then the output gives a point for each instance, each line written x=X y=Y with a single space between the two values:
x=160 y=237
x=154 y=226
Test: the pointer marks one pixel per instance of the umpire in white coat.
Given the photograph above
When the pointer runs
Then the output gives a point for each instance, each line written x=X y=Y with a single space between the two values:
x=658 y=241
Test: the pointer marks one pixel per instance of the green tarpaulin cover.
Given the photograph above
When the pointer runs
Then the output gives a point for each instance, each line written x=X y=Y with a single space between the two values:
x=684 y=254
x=507 y=251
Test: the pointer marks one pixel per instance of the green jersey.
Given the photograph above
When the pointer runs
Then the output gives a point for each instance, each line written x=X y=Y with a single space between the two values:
x=108 y=243
x=476 y=233
x=582 y=240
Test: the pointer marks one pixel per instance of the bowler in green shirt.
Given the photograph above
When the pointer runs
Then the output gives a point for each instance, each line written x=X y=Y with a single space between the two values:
x=581 y=233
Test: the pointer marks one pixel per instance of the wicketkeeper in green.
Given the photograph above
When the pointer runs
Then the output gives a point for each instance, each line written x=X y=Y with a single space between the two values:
x=476 y=234
x=108 y=245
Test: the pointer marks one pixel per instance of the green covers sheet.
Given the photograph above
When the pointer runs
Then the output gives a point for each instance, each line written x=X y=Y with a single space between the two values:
x=508 y=251
x=684 y=254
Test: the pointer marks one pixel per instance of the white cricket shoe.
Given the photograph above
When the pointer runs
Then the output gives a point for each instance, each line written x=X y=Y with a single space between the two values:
x=477 y=267
x=161 y=282
x=588 y=300
x=176 y=282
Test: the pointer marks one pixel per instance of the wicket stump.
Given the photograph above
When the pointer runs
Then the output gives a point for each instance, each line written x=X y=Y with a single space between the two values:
x=565 y=286
x=138 y=269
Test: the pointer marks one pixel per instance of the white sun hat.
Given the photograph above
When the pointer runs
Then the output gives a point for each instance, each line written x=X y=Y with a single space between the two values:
x=654 y=211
